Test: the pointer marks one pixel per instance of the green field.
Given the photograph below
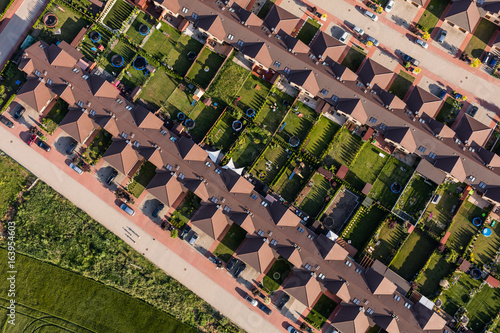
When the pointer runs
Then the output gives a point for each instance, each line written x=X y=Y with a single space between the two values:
x=179 y=101
x=270 y=118
x=394 y=171
x=449 y=111
x=314 y=201
x=413 y=255
x=288 y=188
x=298 y=123
x=462 y=229
x=320 y=136
x=118 y=14
x=161 y=41
x=362 y=225
x=158 y=89
x=390 y=241
x=133 y=30
x=415 y=197
x=367 y=166
x=344 y=149
x=13 y=178
x=228 y=82
x=458 y=293
x=271 y=162
x=178 y=56
x=205 y=67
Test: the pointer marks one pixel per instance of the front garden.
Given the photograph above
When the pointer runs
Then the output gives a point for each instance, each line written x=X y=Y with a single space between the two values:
x=432 y=14
x=353 y=59
x=277 y=274
x=480 y=39
x=321 y=311
x=141 y=179
x=98 y=147
x=401 y=84
x=55 y=116
x=449 y=111
x=308 y=30
x=181 y=216
x=230 y=243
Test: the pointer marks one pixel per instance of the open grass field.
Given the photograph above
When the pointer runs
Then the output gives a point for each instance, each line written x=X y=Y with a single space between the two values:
x=228 y=82
x=320 y=136
x=462 y=229
x=133 y=30
x=142 y=179
x=161 y=41
x=178 y=56
x=231 y=241
x=13 y=178
x=47 y=290
x=298 y=123
x=277 y=274
x=442 y=211
x=394 y=171
x=321 y=311
x=344 y=149
x=353 y=59
x=401 y=84
x=118 y=14
x=158 y=89
x=413 y=255
x=205 y=67
x=486 y=247
x=249 y=146
x=367 y=166
x=314 y=201
x=437 y=269
x=481 y=37
x=449 y=111
x=308 y=30
x=271 y=162
x=89 y=48
x=222 y=135
x=390 y=241
x=362 y=225
x=415 y=197
x=270 y=118
x=432 y=13
x=121 y=48
x=290 y=188
x=204 y=117
x=253 y=93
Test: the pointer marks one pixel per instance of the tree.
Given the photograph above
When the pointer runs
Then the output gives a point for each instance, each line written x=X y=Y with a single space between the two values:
x=426 y=36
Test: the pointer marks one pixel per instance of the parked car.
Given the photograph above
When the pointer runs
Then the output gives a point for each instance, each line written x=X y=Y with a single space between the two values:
x=6 y=122
x=127 y=209
x=487 y=57
x=43 y=145
x=184 y=232
x=111 y=176
x=442 y=94
x=239 y=270
x=157 y=209
x=413 y=61
x=76 y=168
x=494 y=62
x=358 y=30
x=421 y=43
x=442 y=36
x=371 y=15
x=251 y=300
x=31 y=139
x=19 y=111
x=71 y=147
x=193 y=239
x=373 y=40
x=284 y=299
x=344 y=37
x=389 y=6
x=472 y=112
x=264 y=308
x=292 y=329
x=232 y=263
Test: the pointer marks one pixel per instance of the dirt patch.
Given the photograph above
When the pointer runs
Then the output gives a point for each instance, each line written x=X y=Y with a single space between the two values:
x=340 y=209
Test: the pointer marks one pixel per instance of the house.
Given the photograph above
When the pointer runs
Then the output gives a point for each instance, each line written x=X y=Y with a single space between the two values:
x=304 y=81
x=256 y=252
x=489 y=158
x=303 y=286
x=330 y=250
x=290 y=253
x=292 y=44
x=342 y=73
x=77 y=124
x=35 y=94
x=379 y=284
x=372 y=73
x=171 y=6
x=438 y=129
x=282 y=216
x=419 y=3
x=235 y=183
x=122 y=156
x=492 y=195
x=326 y=48
x=246 y=17
x=210 y=220
x=429 y=171
x=421 y=101
x=469 y=130
x=339 y=288
x=428 y=319
x=492 y=282
x=350 y=319
x=278 y=18
x=388 y=323
x=401 y=138
x=353 y=109
x=391 y=101
x=212 y=26
x=198 y=187
x=165 y=187
x=244 y=220
x=463 y=15
x=452 y=166
x=257 y=52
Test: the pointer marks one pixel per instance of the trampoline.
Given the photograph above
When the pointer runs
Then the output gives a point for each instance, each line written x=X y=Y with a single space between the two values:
x=486 y=232
x=294 y=141
x=475 y=274
x=117 y=60
x=206 y=69
x=181 y=116
x=328 y=222
x=189 y=123
x=140 y=63
x=250 y=112
x=143 y=29
x=191 y=55
x=237 y=125
x=95 y=36
x=396 y=187
x=286 y=103
x=50 y=20
x=476 y=221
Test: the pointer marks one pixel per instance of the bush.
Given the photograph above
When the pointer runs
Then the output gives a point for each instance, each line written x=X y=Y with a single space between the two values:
x=174 y=233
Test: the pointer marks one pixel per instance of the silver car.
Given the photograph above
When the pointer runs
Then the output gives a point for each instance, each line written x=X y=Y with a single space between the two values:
x=373 y=40
x=358 y=30
x=421 y=43
x=371 y=15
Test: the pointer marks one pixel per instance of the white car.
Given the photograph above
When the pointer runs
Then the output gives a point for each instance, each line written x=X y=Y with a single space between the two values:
x=358 y=30
x=76 y=168
x=421 y=43
x=251 y=300
x=344 y=37
x=371 y=15
x=292 y=329
x=389 y=6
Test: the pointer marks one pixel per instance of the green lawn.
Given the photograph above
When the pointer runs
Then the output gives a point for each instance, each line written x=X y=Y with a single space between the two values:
x=58 y=111
x=271 y=162
x=177 y=57
x=394 y=171
x=181 y=216
x=270 y=118
x=179 y=100
x=308 y=30
x=13 y=178
x=320 y=136
x=314 y=202
x=133 y=78
x=86 y=45
x=481 y=37
x=367 y=166
x=432 y=14
x=401 y=84
x=122 y=49
x=266 y=8
x=462 y=229
x=47 y=290
x=96 y=149
x=344 y=149
x=458 y=293
x=288 y=188
x=253 y=93
x=441 y=212
x=161 y=41
x=437 y=269
x=362 y=225
x=228 y=82
x=222 y=134
x=133 y=30
x=249 y=146
x=118 y=14
x=321 y=311
x=142 y=179
x=485 y=248
x=231 y=241
x=449 y=111
x=390 y=241
x=413 y=255
x=12 y=75
x=158 y=89
x=205 y=68
x=277 y=274
x=353 y=59
x=204 y=117
x=298 y=123
x=415 y=197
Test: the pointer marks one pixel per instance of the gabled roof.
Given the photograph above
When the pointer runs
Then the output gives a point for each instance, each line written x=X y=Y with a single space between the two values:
x=244 y=220
x=190 y=151
x=350 y=319
x=343 y=73
x=258 y=51
x=154 y=156
x=212 y=24
x=282 y=216
x=247 y=17
x=465 y=14
x=392 y=101
x=303 y=286
x=339 y=288
x=26 y=65
x=428 y=319
x=489 y=158
x=372 y=73
x=77 y=124
x=469 y=129
x=146 y=119
x=493 y=193
x=290 y=253
x=172 y=5
x=35 y=94
x=353 y=107
x=211 y=220
x=420 y=100
x=306 y=80
x=236 y=183
x=388 y=323
x=329 y=249
x=108 y=123
x=198 y=187
x=102 y=88
x=278 y=18
x=324 y=46
x=65 y=92
x=59 y=57
x=379 y=284
x=439 y=129
x=121 y=156
x=256 y=252
x=402 y=136
x=452 y=165
x=293 y=44
x=165 y=188
x=428 y=170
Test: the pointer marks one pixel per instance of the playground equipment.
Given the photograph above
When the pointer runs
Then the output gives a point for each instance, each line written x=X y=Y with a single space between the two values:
x=140 y=63
x=50 y=20
x=117 y=60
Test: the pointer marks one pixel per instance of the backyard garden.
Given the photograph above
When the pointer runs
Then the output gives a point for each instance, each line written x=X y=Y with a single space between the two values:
x=205 y=67
x=344 y=149
x=249 y=145
x=140 y=28
x=182 y=55
x=292 y=180
x=387 y=241
x=252 y=94
x=222 y=136
x=297 y=123
x=120 y=49
x=161 y=41
x=158 y=89
x=320 y=136
x=362 y=225
x=437 y=217
x=267 y=167
x=415 y=198
x=366 y=167
x=438 y=267
x=314 y=201
x=204 y=117
x=275 y=109
x=462 y=230
x=228 y=82
x=118 y=14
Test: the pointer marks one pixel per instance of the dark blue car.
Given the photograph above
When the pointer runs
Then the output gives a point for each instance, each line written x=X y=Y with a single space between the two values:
x=442 y=93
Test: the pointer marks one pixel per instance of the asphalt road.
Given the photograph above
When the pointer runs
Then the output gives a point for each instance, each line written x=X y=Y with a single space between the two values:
x=175 y=266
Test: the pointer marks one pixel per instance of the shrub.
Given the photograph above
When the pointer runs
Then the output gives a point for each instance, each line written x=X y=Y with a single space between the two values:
x=174 y=233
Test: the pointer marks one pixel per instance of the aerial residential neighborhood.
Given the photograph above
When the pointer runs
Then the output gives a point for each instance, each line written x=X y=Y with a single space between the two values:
x=250 y=166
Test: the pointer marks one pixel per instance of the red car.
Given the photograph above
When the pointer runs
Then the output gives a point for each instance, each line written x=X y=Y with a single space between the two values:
x=31 y=139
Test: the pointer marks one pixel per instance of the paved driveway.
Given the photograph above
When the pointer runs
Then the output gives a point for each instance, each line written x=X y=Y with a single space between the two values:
x=296 y=7
x=402 y=13
x=453 y=40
